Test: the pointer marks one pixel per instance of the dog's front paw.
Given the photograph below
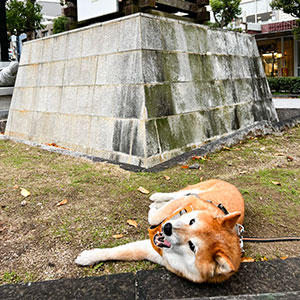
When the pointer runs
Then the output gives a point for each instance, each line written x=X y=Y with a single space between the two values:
x=160 y=197
x=88 y=257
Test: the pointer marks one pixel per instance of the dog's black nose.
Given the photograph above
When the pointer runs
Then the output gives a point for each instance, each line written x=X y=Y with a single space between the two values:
x=167 y=229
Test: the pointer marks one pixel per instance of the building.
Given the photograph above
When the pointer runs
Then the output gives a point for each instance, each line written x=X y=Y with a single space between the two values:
x=273 y=33
x=279 y=50
x=51 y=9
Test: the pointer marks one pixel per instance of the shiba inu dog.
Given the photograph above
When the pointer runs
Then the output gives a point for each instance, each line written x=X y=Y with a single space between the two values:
x=193 y=233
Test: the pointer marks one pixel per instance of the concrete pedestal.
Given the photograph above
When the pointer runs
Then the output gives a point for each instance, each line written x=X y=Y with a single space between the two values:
x=5 y=100
x=138 y=90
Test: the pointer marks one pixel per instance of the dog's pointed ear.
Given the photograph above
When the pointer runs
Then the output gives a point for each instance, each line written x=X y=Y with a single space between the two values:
x=230 y=220
x=224 y=265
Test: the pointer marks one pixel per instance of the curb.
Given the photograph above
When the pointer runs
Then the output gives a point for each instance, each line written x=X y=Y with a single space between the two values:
x=276 y=278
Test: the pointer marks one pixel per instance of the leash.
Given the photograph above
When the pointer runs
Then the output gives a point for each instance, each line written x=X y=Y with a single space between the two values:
x=271 y=239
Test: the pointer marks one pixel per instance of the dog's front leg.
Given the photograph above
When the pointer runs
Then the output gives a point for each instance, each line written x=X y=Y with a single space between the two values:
x=156 y=216
x=139 y=250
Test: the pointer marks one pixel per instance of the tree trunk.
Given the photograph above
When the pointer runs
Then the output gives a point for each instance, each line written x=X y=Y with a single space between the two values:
x=30 y=35
x=3 y=33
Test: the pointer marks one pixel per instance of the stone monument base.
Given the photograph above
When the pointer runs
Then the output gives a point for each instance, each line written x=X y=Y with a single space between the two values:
x=138 y=90
x=5 y=100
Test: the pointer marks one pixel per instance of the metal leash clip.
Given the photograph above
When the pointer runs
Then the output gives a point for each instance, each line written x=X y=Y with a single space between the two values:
x=239 y=231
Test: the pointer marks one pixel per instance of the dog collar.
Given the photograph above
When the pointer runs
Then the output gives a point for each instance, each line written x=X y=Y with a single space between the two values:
x=156 y=230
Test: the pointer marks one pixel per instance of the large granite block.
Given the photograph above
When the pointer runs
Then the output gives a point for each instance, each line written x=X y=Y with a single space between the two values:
x=47 y=51
x=106 y=101
x=59 y=47
x=122 y=68
x=138 y=90
x=74 y=45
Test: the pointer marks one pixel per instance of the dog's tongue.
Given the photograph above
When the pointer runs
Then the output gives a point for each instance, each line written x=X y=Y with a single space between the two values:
x=161 y=242
x=167 y=244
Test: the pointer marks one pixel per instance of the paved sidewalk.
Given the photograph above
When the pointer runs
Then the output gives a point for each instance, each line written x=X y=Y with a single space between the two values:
x=286 y=102
x=286 y=108
x=276 y=279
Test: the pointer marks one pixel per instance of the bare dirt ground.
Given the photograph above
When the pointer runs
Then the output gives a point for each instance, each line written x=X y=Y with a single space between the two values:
x=40 y=240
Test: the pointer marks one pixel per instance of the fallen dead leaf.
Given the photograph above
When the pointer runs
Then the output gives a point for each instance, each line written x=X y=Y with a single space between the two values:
x=143 y=190
x=117 y=236
x=226 y=148
x=132 y=223
x=56 y=146
x=167 y=177
x=247 y=259
x=276 y=182
x=25 y=193
x=196 y=157
x=63 y=202
x=279 y=154
x=264 y=258
x=200 y=157
x=243 y=172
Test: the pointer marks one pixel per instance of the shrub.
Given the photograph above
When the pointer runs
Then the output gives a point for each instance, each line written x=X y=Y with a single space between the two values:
x=285 y=84
x=60 y=24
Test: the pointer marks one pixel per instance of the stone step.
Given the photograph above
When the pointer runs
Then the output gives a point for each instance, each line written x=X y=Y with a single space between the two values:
x=5 y=102
x=286 y=108
x=2 y=126
x=287 y=113
x=3 y=114
x=6 y=91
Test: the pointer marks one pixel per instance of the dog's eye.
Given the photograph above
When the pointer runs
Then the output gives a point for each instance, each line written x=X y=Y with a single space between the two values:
x=192 y=221
x=192 y=246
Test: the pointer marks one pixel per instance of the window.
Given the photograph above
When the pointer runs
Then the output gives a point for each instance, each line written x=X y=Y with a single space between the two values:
x=277 y=56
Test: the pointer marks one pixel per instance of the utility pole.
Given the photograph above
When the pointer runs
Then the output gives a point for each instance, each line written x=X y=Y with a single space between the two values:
x=3 y=33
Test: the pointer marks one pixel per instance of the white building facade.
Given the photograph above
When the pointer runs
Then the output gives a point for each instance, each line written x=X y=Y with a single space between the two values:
x=51 y=9
x=273 y=31
x=280 y=51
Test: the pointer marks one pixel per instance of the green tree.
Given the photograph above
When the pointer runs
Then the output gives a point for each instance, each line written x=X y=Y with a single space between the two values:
x=225 y=11
x=60 y=24
x=291 y=7
x=23 y=17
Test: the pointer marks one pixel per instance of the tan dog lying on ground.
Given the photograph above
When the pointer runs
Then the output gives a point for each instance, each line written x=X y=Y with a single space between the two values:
x=191 y=234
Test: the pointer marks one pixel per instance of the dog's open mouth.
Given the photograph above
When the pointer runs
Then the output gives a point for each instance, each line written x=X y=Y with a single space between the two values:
x=160 y=241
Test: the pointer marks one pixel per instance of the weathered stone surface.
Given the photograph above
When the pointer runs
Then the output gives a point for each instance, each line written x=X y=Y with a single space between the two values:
x=138 y=90
x=5 y=101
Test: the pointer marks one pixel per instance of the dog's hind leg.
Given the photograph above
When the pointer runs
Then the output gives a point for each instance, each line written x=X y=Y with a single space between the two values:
x=139 y=250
